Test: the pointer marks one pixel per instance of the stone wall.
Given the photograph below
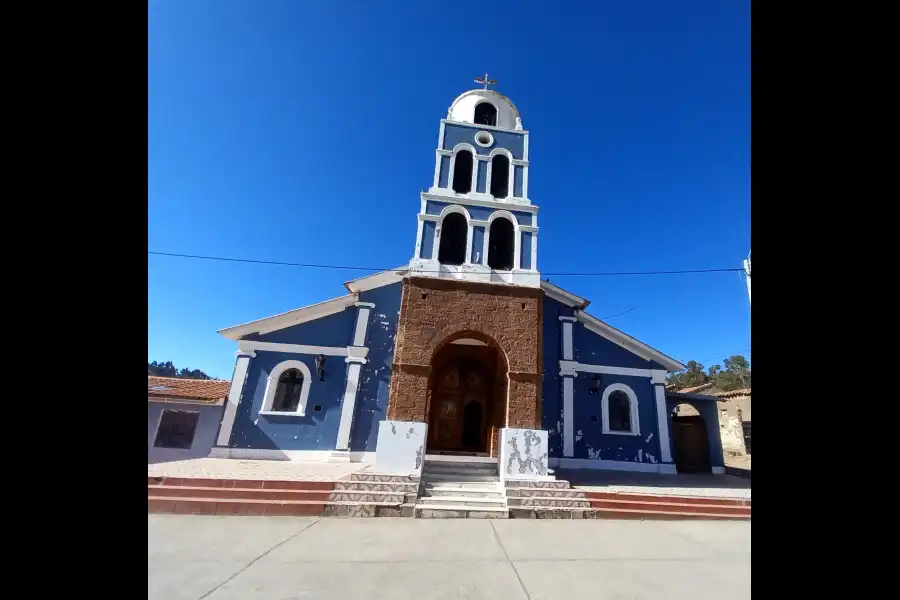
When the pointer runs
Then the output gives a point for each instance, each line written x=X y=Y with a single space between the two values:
x=434 y=312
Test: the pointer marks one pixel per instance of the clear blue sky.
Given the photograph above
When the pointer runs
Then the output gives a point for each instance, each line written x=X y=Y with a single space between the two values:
x=303 y=131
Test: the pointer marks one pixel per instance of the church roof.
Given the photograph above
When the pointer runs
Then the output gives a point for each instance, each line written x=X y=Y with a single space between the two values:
x=291 y=317
x=207 y=391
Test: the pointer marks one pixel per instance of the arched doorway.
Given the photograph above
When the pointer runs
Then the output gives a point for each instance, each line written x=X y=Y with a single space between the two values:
x=467 y=397
x=690 y=440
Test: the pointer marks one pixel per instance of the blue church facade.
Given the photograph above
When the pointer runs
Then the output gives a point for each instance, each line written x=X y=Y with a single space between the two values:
x=466 y=338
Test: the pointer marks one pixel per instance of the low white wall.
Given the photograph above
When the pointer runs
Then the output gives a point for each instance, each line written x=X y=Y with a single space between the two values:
x=401 y=448
x=523 y=454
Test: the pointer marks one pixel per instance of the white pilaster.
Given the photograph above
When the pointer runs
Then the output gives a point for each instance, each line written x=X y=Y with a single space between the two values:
x=567 y=346
x=241 y=367
x=662 y=414
x=355 y=363
x=568 y=376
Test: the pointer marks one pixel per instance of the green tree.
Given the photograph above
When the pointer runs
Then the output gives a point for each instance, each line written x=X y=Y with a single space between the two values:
x=736 y=375
x=167 y=369
x=689 y=377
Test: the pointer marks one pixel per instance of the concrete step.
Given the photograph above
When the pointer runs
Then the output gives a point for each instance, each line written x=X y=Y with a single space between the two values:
x=460 y=478
x=253 y=484
x=438 y=511
x=553 y=484
x=164 y=491
x=538 y=501
x=463 y=502
x=489 y=486
x=370 y=486
x=461 y=472
x=620 y=513
x=223 y=506
x=544 y=493
x=697 y=500
x=466 y=492
x=672 y=507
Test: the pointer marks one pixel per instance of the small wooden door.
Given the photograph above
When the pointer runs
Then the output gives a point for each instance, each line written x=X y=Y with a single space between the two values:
x=459 y=402
x=691 y=445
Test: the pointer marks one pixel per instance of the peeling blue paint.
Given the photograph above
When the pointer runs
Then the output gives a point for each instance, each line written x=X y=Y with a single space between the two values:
x=375 y=375
x=315 y=431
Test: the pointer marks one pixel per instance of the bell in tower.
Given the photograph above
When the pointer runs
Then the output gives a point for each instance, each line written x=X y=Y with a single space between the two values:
x=476 y=222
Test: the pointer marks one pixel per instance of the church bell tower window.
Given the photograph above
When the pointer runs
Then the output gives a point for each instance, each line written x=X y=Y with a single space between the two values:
x=462 y=172
x=501 y=247
x=499 y=176
x=454 y=231
x=486 y=114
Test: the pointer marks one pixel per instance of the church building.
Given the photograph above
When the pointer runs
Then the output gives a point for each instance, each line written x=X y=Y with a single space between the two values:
x=460 y=347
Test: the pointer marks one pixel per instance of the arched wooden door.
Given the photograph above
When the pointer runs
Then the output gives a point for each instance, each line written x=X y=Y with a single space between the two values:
x=691 y=444
x=459 y=406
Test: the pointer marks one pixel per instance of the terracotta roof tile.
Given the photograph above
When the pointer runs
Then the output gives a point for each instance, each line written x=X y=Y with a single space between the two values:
x=210 y=390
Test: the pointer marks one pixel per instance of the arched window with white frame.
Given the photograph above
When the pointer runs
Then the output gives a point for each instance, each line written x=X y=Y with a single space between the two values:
x=463 y=166
x=453 y=236
x=499 y=176
x=619 y=407
x=486 y=114
x=287 y=389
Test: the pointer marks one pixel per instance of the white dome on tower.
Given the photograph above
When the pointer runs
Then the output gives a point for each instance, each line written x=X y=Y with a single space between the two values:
x=466 y=106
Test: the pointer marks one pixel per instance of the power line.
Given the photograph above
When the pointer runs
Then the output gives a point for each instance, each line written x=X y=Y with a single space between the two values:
x=619 y=314
x=350 y=268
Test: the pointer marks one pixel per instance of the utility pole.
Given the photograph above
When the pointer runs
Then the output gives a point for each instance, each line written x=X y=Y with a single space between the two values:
x=747 y=271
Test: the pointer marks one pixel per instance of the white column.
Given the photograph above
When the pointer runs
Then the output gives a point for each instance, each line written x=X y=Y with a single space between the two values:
x=355 y=362
x=568 y=376
x=662 y=415
x=234 y=395
x=567 y=340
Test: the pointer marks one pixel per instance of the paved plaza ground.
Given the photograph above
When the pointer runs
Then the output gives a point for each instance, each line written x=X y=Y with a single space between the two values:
x=280 y=558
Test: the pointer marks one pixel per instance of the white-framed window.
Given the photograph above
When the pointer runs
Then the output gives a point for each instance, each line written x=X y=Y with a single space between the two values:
x=287 y=389
x=176 y=429
x=619 y=407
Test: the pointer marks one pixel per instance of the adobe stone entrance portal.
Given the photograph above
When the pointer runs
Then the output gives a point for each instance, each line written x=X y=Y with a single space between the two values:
x=468 y=397
x=467 y=361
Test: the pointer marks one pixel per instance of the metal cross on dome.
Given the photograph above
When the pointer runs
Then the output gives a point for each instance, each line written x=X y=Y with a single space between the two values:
x=486 y=81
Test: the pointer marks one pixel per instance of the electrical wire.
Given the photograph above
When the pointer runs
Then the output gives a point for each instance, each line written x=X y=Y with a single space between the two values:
x=352 y=268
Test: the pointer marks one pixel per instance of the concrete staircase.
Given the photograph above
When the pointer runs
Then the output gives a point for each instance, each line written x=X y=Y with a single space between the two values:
x=364 y=495
x=461 y=487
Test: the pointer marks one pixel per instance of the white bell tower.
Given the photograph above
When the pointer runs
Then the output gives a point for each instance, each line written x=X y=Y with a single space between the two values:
x=476 y=222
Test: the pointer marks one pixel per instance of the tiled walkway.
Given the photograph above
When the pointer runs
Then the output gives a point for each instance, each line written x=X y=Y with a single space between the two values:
x=270 y=470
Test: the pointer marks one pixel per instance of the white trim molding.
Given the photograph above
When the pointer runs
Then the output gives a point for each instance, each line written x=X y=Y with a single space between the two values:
x=319 y=456
x=376 y=280
x=245 y=345
x=272 y=388
x=485 y=201
x=561 y=295
x=633 y=416
x=238 y=380
x=572 y=365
